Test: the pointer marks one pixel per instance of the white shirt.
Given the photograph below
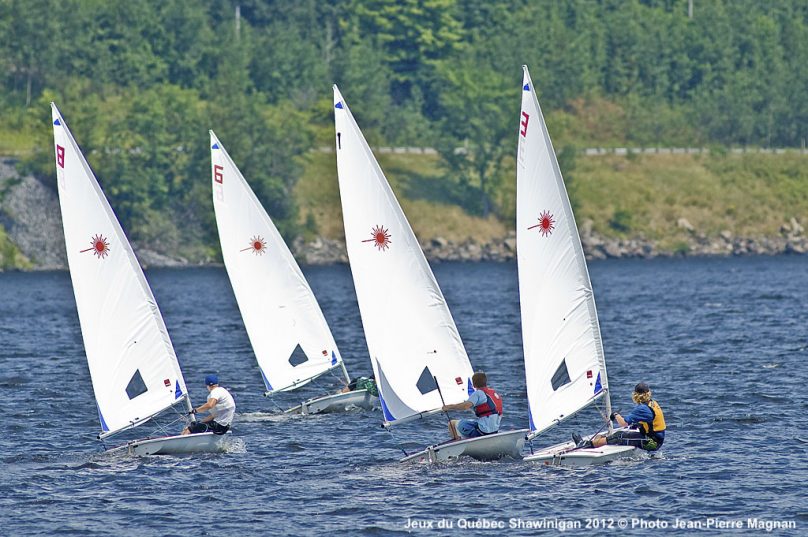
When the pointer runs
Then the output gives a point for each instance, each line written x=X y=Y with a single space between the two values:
x=225 y=407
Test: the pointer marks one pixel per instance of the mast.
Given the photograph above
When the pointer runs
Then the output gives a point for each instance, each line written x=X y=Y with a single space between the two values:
x=189 y=407
x=345 y=372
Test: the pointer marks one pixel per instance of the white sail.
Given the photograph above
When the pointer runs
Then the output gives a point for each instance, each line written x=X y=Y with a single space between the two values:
x=564 y=363
x=134 y=370
x=276 y=302
x=410 y=333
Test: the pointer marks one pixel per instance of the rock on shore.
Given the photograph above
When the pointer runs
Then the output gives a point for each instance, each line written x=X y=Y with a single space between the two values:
x=29 y=211
x=790 y=241
x=32 y=218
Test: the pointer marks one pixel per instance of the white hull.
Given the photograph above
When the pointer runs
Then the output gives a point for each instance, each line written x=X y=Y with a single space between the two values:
x=177 y=445
x=566 y=454
x=338 y=402
x=483 y=448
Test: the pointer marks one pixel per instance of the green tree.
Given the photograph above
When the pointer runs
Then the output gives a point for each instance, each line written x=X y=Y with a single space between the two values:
x=266 y=140
x=359 y=70
x=27 y=43
x=479 y=112
x=289 y=67
x=792 y=125
x=184 y=39
x=415 y=34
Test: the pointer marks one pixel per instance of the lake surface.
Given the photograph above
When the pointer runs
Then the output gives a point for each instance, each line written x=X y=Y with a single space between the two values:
x=723 y=343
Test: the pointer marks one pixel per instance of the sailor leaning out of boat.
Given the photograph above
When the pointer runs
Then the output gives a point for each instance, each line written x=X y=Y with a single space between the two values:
x=487 y=405
x=221 y=407
x=362 y=383
x=646 y=422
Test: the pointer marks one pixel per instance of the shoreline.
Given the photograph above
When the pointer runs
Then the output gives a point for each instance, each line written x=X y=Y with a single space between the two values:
x=324 y=252
x=31 y=238
x=689 y=243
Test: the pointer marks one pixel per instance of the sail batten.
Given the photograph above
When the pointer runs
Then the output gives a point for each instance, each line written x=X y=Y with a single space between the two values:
x=125 y=338
x=559 y=318
x=407 y=323
x=277 y=305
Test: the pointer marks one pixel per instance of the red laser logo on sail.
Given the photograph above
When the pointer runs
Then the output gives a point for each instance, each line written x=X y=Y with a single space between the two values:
x=258 y=245
x=546 y=223
x=100 y=246
x=381 y=238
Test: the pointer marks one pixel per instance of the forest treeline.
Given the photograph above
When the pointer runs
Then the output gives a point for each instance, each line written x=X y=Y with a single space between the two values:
x=140 y=83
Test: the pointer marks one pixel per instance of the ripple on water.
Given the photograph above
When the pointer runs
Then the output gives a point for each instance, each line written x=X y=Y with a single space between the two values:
x=719 y=344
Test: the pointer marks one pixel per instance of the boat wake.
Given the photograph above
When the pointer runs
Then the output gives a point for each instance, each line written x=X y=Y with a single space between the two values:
x=256 y=417
x=113 y=461
x=236 y=445
x=749 y=419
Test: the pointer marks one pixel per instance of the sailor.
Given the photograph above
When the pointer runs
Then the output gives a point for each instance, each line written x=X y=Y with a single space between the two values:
x=363 y=383
x=487 y=405
x=646 y=423
x=222 y=408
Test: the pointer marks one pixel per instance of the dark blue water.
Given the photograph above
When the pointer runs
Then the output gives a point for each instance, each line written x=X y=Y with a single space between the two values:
x=723 y=342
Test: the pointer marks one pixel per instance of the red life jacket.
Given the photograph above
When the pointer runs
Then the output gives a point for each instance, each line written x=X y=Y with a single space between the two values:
x=493 y=403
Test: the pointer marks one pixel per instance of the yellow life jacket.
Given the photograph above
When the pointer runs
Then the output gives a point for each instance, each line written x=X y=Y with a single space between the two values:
x=657 y=425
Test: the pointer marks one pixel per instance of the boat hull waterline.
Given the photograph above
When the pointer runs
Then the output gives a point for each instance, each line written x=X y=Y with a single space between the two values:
x=176 y=445
x=338 y=402
x=484 y=448
x=566 y=454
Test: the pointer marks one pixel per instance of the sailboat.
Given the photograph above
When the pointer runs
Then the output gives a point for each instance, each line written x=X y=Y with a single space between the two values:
x=287 y=329
x=565 y=367
x=134 y=370
x=415 y=349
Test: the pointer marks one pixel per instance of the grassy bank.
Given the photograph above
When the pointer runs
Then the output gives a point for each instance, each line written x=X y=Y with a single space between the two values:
x=428 y=199
x=747 y=195
x=623 y=196
x=10 y=256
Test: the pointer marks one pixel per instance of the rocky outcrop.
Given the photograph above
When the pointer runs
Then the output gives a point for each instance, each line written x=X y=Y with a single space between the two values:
x=682 y=223
x=320 y=251
x=442 y=249
x=30 y=214
x=791 y=241
x=149 y=258
x=325 y=251
x=29 y=211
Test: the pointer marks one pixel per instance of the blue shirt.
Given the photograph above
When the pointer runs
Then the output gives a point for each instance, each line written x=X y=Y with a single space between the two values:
x=487 y=424
x=642 y=413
